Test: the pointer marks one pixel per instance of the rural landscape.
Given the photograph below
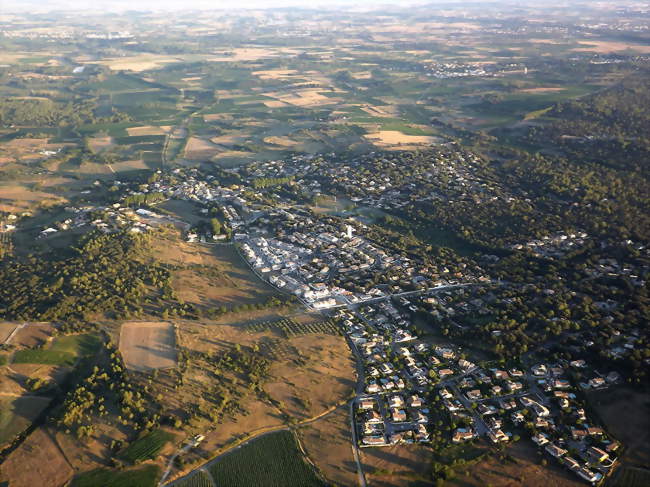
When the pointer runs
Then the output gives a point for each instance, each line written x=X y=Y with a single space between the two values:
x=346 y=245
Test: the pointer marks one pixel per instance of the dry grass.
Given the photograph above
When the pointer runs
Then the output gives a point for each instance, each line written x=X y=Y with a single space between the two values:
x=98 y=144
x=146 y=346
x=18 y=413
x=146 y=130
x=608 y=47
x=390 y=138
x=5 y=330
x=328 y=444
x=33 y=334
x=197 y=148
x=141 y=62
x=17 y=197
x=37 y=462
x=303 y=98
x=401 y=461
x=525 y=471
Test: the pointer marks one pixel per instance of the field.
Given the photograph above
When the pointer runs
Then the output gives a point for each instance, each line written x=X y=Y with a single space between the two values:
x=25 y=466
x=6 y=329
x=138 y=477
x=147 y=447
x=17 y=413
x=525 y=468
x=395 y=466
x=146 y=346
x=630 y=477
x=274 y=460
x=62 y=350
x=33 y=335
x=327 y=443
x=626 y=415
x=199 y=479
x=210 y=276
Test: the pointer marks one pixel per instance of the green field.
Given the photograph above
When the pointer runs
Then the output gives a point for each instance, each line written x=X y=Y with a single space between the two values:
x=199 y=479
x=142 y=477
x=146 y=447
x=64 y=350
x=42 y=356
x=271 y=461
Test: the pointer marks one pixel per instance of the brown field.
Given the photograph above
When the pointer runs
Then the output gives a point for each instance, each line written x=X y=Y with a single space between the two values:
x=15 y=197
x=328 y=444
x=275 y=104
x=280 y=141
x=626 y=415
x=5 y=330
x=389 y=138
x=211 y=275
x=17 y=413
x=309 y=375
x=146 y=130
x=541 y=90
x=302 y=98
x=275 y=73
x=141 y=62
x=197 y=148
x=98 y=144
x=607 y=47
x=33 y=334
x=146 y=346
x=402 y=461
x=37 y=462
x=526 y=471
x=134 y=165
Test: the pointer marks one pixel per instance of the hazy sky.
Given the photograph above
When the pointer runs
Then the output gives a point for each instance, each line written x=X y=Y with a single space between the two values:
x=189 y=4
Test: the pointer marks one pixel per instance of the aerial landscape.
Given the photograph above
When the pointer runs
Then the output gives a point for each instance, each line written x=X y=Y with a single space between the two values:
x=344 y=243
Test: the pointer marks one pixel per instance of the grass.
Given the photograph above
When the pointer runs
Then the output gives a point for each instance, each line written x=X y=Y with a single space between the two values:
x=78 y=345
x=41 y=356
x=271 y=461
x=142 y=477
x=146 y=447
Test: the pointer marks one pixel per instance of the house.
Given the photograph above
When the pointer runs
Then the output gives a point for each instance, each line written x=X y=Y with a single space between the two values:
x=445 y=373
x=497 y=436
x=570 y=463
x=398 y=415
x=373 y=388
x=445 y=394
x=596 y=382
x=373 y=417
x=554 y=450
x=539 y=370
x=395 y=401
x=540 y=439
x=414 y=401
x=474 y=395
x=366 y=403
x=500 y=374
x=597 y=455
x=374 y=440
x=496 y=390
x=578 y=364
x=516 y=373
x=465 y=365
x=462 y=434
x=588 y=475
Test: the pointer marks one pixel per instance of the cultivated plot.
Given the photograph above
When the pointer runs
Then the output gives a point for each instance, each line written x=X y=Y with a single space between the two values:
x=146 y=346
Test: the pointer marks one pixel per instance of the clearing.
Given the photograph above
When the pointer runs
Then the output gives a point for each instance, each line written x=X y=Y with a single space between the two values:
x=146 y=346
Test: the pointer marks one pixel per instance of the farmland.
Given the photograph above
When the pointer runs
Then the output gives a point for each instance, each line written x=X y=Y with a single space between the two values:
x=198 y=479
x=137 y=477
x=148 y=345
x=268 y=461
x=146 y=447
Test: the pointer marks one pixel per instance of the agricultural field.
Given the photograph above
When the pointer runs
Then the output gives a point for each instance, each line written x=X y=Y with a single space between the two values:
x=328 y=443
x=63 y=350
x=136 y=477
x=18 y=413
x=274 y=460
x=147 y=346
x=396 y=466
x=146 y=448
x=198 y=479
x=25 y=467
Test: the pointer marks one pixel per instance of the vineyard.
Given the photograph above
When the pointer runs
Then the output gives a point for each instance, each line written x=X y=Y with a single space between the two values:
x=198 y=479
x=146 y=447
x=142 y=477
x=271 y=461
x=290 y=328
x=6 y=245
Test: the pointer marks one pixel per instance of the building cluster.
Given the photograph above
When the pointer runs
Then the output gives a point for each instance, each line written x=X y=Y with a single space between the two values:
x=554 y=245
